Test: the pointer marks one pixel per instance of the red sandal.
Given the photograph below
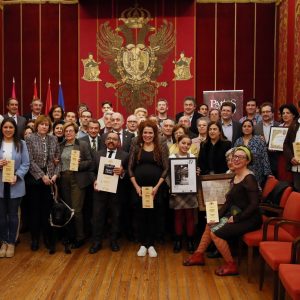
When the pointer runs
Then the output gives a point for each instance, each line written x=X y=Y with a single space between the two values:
x=229 y=269
x=197 y=259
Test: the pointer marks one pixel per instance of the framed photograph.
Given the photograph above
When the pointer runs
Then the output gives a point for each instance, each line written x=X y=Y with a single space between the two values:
x=213 y=188
x=183 y=175
x=277 y=137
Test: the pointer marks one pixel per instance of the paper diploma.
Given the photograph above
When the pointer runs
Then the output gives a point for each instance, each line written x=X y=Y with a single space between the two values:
x=107 y=180
x=147 y=196
x=212 y=213
x=8 y=171
x=74 y=162
x=296 y=148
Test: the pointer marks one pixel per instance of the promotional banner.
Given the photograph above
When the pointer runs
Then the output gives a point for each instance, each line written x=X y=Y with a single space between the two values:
x=214 y=99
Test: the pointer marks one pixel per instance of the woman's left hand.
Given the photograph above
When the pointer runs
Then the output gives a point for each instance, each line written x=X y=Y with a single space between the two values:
x=14 y=180
x=230 y=220
x=154 y=191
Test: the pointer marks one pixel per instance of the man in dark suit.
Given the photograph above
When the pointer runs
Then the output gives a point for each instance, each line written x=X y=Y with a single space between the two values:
x=117 y=122
x=12 y=106
x=105 y=201
x=189 y=109
x=263 y=129
x=232 y=129
x=36 y=109
x=92 y=138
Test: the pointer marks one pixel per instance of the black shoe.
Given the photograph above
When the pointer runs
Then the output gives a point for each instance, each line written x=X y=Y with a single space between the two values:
x=114 y=246
x=34 y=245
x=190 y=246
x=67 y=249
x=77 y=244
x=177 y=246
x=51 y=249
x=214 y=254
x=95 y=247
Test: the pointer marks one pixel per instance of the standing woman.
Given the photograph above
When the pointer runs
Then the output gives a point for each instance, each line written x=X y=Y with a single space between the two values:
x=212 y=158
x=73 y=184
x=261 y=164
x=56 y=113
x=289 y=115
x=148 y=166
x=11 y=193
x=58 y=130
x=43 y=151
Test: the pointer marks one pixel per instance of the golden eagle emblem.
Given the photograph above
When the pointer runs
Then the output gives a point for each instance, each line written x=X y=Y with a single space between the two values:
x=135 y=52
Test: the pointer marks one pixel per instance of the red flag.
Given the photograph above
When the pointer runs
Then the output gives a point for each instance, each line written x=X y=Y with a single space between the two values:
x=48 y=100
x=13 y=91
x=35 y=93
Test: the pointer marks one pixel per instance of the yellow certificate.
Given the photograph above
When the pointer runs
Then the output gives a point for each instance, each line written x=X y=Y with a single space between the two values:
x=147 y=196
x=8 y=171
x=74 y=162
x=212 y=213
x=296 y=148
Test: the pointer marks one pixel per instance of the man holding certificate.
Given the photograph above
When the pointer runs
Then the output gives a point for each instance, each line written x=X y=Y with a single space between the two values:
x=111 y=165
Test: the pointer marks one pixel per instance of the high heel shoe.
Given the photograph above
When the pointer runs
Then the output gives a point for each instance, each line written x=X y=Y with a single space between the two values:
x=197 y=259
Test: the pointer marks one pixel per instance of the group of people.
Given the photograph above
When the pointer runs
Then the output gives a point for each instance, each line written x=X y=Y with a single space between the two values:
x=41 y=147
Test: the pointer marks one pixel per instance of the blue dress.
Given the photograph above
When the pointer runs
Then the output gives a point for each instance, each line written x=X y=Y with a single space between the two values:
x=260 y=165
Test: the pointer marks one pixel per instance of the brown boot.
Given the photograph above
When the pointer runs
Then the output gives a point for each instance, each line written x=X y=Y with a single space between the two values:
x=197 y=259
x=10 y=252
x=228 y=269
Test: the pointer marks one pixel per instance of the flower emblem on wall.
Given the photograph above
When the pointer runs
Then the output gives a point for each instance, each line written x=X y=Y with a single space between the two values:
x=135 y=52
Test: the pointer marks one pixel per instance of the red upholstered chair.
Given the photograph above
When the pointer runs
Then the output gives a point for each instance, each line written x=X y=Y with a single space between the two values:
x=277 y=252
x=269 y=186
x=289 y=275
x=253 y=238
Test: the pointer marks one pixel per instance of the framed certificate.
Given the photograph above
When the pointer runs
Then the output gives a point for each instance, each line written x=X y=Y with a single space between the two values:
x=183 y=175
x=214 y=188
x=277 y=137
x=107 y=180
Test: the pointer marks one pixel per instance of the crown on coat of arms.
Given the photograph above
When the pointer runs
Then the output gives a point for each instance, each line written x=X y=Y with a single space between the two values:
x=135 y=17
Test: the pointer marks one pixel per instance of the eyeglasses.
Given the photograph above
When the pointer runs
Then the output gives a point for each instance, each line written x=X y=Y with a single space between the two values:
x=238 y=157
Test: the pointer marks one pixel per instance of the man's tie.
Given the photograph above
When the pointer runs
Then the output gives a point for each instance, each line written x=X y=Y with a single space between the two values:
x=93 y=144
x=110 y=153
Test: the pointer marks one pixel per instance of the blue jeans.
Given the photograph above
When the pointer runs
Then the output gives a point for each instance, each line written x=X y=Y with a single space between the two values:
x=9 y=219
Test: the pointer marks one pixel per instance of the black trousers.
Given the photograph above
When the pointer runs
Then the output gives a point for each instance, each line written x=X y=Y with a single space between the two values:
x=105 y=204
x=40 y=205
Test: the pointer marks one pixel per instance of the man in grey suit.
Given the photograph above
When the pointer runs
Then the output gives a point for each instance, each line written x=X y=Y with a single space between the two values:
x=263 y=129
x=232 y=129
x=12 y=106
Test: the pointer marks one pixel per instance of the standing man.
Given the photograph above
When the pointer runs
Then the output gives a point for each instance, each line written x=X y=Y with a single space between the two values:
x=167 y=130
x=185 y=122
x=162 y=110
x=263 y=129
x=105 y=107
x=93 y=138
x=117 y=122
x=12 y=106
x=36 y=110
x=132 y=124
x=189 y=109
x=107 y=123
x=251 y=108
x=232 y=129
x=105 y=202
x=70 y=116
x=85 y=118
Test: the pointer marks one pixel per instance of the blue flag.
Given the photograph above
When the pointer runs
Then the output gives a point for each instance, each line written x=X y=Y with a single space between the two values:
x=61 y=101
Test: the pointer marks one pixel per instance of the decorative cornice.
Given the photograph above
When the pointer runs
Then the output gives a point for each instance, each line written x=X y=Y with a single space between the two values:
x=9 y=2
x=240 y=1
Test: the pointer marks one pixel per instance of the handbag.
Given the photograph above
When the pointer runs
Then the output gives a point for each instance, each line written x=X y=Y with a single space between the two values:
x=61 y=213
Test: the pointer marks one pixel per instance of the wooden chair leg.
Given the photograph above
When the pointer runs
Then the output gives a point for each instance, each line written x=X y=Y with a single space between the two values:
x=261 y=272
x=281 y=291
x=275 y=287
x=250 y=262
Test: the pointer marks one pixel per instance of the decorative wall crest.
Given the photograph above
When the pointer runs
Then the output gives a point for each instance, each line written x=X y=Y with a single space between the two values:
x=182 y=69
x=91 y=69
x=135 y=56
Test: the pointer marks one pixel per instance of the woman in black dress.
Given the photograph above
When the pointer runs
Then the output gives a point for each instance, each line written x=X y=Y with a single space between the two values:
x=212 y=158
x=239 y=214
x=148 y=166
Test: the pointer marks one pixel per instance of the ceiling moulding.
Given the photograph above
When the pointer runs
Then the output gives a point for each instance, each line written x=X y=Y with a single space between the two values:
x=240 y=1
x=8 y=2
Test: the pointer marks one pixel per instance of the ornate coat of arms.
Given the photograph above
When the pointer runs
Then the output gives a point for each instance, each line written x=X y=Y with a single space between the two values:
x=135 y=52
